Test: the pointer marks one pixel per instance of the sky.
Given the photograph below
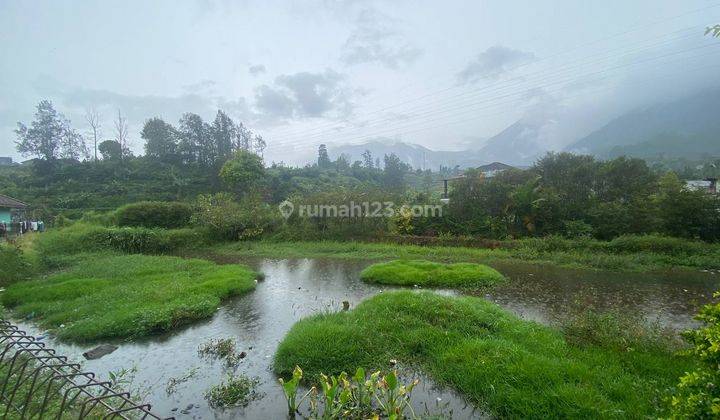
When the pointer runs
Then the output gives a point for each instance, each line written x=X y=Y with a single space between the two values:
x=446 y=75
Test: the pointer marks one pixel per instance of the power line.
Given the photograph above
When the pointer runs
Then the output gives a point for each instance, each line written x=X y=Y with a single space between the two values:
x=476 y=92
x=418 y=129
x=630 y=30
x=560 y=81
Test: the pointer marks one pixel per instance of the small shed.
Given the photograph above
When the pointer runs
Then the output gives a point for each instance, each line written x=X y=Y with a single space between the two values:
x=8 y=207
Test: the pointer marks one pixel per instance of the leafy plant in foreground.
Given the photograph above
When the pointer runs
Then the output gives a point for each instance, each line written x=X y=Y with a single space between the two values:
x=698 y=393
x=357 y=396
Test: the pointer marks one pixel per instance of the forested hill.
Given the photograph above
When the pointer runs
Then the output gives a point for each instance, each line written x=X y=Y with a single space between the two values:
x=686 y=128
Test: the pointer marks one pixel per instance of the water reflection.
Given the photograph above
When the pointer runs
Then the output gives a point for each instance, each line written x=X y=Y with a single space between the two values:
x=294 y=289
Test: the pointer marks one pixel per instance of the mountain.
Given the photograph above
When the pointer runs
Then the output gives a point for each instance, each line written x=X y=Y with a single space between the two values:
x=415 y=155
x=519 y=144
x=689 y=127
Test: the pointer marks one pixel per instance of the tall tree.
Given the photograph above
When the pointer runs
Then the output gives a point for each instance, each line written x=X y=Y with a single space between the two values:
x=243 y=138
x=224 y=133
x=121 y=135
x=260 y=146
x=368 y=159
x=394 y=172
x=196 y=143
x=160 y=139
x=93 y=119
x=323 y=161
x=49 y=136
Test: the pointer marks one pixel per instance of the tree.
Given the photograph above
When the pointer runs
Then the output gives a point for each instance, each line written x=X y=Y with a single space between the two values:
x=243 y=138
x=110 y=150
x=93 y=119
x=394 y=173
x=121 y=135
x=368 y=159
x=196 y=144
x=713 y=31
x=49 y=136
x=160 y=139
x=224 y=133
x=687 y=213
x=243 y=171
x=323 y=161
x=260 y=146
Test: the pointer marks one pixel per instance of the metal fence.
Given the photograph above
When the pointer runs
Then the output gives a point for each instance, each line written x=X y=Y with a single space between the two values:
x=35 y=382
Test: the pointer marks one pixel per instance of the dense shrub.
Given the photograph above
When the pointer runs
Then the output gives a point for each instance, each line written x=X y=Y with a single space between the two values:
x=698 y=393
x=225 y=218
x=90 y=238
x=658 y=244
x=154 y=214
x=13 y=264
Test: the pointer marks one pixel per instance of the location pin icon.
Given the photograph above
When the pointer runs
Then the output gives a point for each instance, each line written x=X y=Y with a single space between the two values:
x=286 y=209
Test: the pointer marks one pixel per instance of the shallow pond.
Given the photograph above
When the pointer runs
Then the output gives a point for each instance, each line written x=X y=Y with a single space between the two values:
x=294 y=289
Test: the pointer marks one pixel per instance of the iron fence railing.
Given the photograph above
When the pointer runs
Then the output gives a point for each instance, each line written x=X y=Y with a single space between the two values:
x=36 y=382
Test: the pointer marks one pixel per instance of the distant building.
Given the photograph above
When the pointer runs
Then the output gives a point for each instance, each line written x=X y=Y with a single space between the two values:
x=493 y=169
x=708 y=185
x=10 y=209
x=5 y=161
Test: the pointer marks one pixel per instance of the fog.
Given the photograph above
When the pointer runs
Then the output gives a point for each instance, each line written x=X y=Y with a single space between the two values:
x=442 y=75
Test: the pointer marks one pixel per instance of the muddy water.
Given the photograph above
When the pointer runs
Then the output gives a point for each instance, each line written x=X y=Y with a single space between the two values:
x=294 y=289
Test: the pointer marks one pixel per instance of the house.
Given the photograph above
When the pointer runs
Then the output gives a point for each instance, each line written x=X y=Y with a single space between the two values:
x=10 y=209
x=708 y=185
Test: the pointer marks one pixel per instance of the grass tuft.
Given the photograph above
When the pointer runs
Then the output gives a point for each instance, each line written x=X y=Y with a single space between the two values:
x=510 y=367
x=110 y=296
x=431 y=274
x=236 y=391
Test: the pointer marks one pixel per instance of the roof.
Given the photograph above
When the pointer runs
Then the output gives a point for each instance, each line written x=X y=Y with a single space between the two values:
x=495 y=166
x=6 y=201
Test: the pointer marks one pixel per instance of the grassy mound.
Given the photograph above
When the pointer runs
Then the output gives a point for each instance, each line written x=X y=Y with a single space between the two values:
x=511 y=367
x=106 y=295
x=431 y=274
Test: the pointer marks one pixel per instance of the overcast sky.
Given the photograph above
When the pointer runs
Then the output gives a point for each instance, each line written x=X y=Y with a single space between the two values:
x=442 y=74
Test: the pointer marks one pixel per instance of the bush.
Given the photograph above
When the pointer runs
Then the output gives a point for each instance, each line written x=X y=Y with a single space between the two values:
x=658 y=244
x=225 y=218
x=698 y=393
x=577 y=229
x=90 y=238
x=154 y=214
x=14 y=265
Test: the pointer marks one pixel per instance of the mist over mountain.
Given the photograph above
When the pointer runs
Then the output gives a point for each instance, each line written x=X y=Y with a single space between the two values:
x=519 y=145
x=688 y=127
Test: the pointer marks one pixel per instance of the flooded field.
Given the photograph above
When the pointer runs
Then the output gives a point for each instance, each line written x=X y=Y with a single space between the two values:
x=294 y=289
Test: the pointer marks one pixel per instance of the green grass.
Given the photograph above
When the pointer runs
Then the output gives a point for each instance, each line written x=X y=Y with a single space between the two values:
x=431 y=274
x=510 y=367
x=617 y=255
x=111 y=296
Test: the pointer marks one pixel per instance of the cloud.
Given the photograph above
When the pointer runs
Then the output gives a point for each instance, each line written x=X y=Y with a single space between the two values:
x=305 y=94
x=257 y=69
x=374 y=40
x=493 y=63
x=205 y=86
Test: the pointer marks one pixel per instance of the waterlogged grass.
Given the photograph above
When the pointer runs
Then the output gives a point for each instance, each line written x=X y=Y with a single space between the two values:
x=510 y=367
x=106 y=296
x=235 y=391
x=634 y=253
x=431 y=274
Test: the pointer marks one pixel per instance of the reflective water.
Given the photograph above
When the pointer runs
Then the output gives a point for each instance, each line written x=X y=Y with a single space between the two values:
x=294 y=289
